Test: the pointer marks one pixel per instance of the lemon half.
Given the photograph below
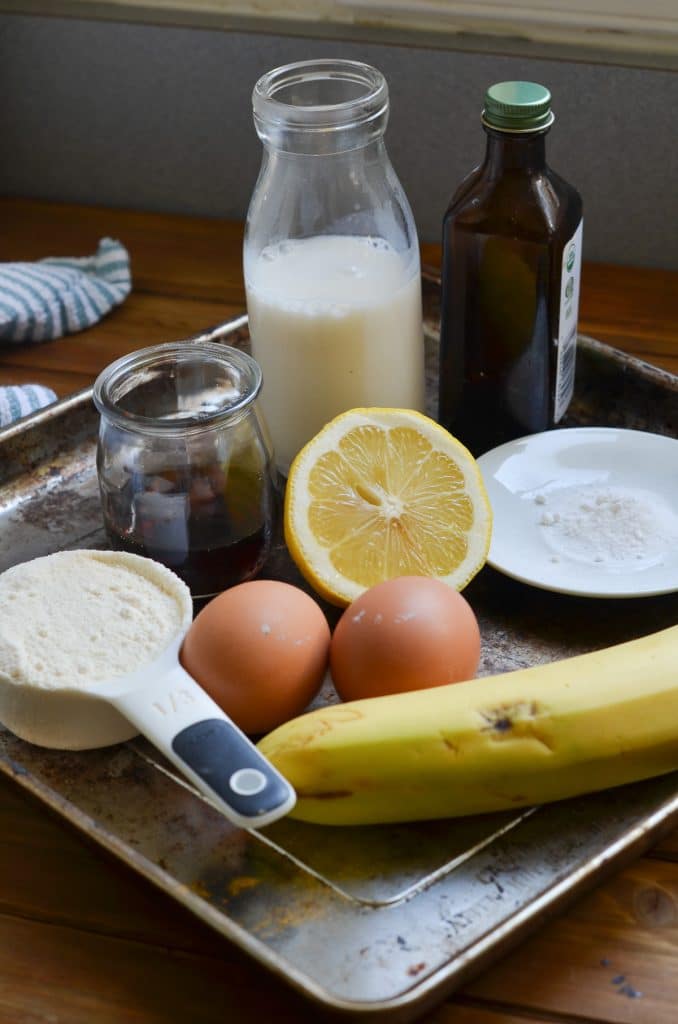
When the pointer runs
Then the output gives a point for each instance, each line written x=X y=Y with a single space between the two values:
x=379 y=493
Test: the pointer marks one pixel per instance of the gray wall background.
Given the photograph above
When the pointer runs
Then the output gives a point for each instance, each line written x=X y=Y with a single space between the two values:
x=159 y=118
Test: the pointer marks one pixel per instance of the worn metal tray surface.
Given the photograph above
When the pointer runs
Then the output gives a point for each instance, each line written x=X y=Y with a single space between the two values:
x=367 y=921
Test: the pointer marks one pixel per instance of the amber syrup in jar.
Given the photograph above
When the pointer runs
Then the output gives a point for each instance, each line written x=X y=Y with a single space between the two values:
x=184 y=465
x=194 y=529
x=512 y=242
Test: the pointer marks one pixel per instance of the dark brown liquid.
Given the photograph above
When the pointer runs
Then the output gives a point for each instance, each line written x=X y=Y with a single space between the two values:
x=208 y=569
x=503 y=240
x=212 y=531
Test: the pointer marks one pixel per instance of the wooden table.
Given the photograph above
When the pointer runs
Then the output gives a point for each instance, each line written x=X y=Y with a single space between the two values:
x=85 y=941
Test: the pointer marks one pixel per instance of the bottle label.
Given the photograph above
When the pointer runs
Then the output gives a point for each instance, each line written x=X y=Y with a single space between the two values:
x=566 y=340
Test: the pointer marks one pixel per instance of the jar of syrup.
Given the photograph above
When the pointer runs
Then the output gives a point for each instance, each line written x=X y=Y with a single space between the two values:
x=184 y=464
x=512 y=245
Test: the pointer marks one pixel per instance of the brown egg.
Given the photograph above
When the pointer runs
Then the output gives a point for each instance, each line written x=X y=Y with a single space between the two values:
x=404 y=634
x=260 y=650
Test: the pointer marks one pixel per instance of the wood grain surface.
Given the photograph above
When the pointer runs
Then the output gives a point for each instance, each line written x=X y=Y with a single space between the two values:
x=85 y=941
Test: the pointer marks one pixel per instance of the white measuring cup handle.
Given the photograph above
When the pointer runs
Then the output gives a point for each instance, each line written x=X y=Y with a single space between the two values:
x=190 y=729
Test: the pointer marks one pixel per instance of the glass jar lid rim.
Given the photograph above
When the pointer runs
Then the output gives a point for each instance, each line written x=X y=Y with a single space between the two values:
x=176 y=352
x=372 y=102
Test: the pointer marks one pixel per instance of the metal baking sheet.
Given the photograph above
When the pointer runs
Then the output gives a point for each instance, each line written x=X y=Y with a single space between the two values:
x=370 y=921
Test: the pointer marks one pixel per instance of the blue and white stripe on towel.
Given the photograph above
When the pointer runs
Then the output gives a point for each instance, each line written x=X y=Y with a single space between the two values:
x=18 y=400
x=56 y=296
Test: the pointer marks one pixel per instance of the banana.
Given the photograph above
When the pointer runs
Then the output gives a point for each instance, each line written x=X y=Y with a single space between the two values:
x=529 y=736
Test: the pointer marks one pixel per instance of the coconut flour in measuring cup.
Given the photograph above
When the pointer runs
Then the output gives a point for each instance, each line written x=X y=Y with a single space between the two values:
x=74 y=618
x=89 y=656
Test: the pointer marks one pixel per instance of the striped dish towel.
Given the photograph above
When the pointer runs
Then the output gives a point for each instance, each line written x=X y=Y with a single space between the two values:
x=56 y=296
x=18 y=400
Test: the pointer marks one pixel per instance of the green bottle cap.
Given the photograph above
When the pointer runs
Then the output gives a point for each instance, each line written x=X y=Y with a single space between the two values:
x=517 y=107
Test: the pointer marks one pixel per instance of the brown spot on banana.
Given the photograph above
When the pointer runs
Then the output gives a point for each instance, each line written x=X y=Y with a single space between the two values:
x=516 y=721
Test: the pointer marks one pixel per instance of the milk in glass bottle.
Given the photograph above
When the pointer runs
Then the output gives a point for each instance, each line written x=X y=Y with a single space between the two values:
x=331 y=258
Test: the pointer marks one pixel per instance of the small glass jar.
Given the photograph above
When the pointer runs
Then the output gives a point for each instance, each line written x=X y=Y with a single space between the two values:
x=331 y=257
x=184 y=464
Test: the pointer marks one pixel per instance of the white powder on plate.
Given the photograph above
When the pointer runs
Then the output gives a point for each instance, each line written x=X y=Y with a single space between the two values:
x=612 y=527
x=75 y=617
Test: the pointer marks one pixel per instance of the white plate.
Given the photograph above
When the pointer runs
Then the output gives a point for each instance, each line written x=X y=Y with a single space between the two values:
x=586 y=510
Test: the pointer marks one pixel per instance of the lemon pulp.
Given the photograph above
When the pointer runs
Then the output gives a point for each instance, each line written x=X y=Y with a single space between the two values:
x=379 y=493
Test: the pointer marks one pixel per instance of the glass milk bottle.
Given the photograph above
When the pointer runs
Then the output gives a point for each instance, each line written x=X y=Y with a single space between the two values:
x=331 y=258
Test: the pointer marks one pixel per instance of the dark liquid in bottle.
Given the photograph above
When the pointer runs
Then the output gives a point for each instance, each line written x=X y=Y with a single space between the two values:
x=503 y=240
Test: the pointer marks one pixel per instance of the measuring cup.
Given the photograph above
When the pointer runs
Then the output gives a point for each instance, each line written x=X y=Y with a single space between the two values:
x=162 y=701
x=159 y=699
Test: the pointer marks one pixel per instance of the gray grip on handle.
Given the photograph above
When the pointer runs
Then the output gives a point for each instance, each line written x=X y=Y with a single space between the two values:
x=232 y=767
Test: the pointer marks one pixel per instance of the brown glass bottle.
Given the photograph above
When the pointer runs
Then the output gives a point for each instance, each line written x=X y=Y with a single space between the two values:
x=510 y=281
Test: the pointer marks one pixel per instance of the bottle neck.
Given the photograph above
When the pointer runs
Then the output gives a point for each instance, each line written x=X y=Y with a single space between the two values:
x=320 y=107
x=290 y=139
x=508 y=151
